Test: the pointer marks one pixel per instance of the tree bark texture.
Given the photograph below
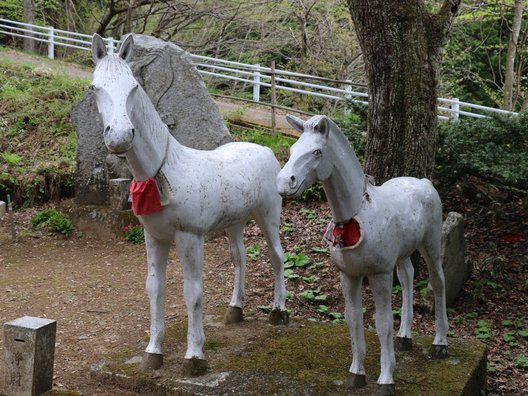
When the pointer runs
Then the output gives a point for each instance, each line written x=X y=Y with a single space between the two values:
x=401 y=43
x=509 y=73
x=29 y=17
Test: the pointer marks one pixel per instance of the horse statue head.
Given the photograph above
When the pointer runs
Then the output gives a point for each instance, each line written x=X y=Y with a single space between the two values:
x=114 y=84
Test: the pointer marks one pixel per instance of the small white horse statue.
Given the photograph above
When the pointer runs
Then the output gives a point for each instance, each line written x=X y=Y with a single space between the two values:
x=373 y=229
x=201 y=191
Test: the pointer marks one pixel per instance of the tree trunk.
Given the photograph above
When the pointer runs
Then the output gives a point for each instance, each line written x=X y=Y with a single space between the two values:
x=401 y=43
x=29 y=17
x=509 y=73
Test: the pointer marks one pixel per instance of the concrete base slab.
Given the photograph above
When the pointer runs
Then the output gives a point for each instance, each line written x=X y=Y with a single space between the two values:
x=303 y=358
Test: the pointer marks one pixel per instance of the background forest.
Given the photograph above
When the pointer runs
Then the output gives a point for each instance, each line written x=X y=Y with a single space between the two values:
x=484 y=61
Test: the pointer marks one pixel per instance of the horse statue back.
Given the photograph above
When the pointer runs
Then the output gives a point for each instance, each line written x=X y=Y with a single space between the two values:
x=179 y=194
x=373 y=230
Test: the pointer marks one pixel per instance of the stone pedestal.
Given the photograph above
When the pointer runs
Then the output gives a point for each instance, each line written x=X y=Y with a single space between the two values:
x=456 y=270
x=29 y=351
x=119 y=193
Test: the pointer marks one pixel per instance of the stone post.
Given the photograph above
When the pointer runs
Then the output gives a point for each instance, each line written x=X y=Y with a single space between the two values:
x=119 y=193
x=29 y=351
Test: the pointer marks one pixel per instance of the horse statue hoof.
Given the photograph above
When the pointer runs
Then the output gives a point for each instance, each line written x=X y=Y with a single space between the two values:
x=387 y=390
x=194 y=367
x=356 y=381
x=151 y=361
x=278 y=317
x=233 y=315
x=439 y=352
x=403 y=344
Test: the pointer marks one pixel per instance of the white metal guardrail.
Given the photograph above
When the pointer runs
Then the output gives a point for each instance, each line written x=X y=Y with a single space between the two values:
x=255 y=75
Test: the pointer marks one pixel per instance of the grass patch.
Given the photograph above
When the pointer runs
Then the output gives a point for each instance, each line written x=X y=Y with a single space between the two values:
x=37 y=139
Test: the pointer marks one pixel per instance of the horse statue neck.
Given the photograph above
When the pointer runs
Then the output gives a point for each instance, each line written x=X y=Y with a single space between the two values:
x=151 y=141
x=346 y=185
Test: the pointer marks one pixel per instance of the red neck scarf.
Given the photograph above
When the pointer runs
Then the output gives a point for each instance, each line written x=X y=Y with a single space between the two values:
x=145 y=197
x=346 y=234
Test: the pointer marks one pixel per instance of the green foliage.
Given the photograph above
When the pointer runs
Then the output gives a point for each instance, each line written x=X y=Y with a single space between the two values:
x=287 y=228
x=279 y=144
x=37 y=139
x=475 y=54
x=483 y=330
x=54 y=221
x=313 y=295
x=521 y=362
x=134 y=233
x=492 y=148
x=253 y=251
x=353 y=124
x=12 y=9
x=295 y=260
x=290 y=274
x=11 y=158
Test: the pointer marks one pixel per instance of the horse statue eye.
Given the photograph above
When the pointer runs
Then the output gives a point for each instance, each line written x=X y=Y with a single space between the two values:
x=317 y=152
x=91 y=87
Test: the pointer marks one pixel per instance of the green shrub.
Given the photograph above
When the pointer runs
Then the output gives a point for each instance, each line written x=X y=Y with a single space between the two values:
x=493 y=148
x=134 y=233
x=54 y=221
x=353 y=124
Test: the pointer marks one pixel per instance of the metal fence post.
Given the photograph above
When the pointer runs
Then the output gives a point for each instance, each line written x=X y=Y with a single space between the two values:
x=51 y=43
x=111 y=45
x=455 y=107
x=348 y=90
x=256 y=83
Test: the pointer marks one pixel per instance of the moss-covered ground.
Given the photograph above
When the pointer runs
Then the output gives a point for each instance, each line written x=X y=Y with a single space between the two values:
x=306 y=355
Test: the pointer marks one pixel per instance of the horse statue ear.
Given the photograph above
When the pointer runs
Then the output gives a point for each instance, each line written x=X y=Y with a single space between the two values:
x=295 y=122
x=126 y=50
x=98 y=48
x=322 y=126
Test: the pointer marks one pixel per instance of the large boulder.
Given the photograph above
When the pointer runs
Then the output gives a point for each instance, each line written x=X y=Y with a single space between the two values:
x=180 y=96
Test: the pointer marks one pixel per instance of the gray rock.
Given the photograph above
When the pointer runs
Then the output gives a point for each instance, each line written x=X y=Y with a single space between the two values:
x=29 y=352
x=180 y=96
x=456 y=270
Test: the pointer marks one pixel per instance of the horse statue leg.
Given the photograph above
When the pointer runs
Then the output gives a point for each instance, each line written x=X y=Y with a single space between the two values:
x=269 y=222
x=189 y=247
x=351 y=287
x=157 y=255
x=430 y=251
x=405 y=271
x=381 y=286
x=235 y=235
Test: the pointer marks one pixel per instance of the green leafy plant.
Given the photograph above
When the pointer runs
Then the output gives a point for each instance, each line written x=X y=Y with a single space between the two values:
x=483 y=330
x=511 y=337
x=134 y=233
x=287 y=228
x=521 y=362
x=54 y=221
x=313 y=295
x=295 y=260
x=309 y=213
x=290 y=274
x=311 y=279
x=253 y=252
x=396 y=289
x=11 y=158
x=492 y=148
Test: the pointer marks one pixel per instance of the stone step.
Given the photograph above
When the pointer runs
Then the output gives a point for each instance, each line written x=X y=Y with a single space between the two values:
x=303 y=358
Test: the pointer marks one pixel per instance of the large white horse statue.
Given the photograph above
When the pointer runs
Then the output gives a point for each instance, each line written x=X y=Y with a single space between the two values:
x=180 y=194
x=373 y=229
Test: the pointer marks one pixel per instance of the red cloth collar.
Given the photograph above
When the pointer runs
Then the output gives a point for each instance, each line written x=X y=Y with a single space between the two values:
x=346 y=234
x=145 y=197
